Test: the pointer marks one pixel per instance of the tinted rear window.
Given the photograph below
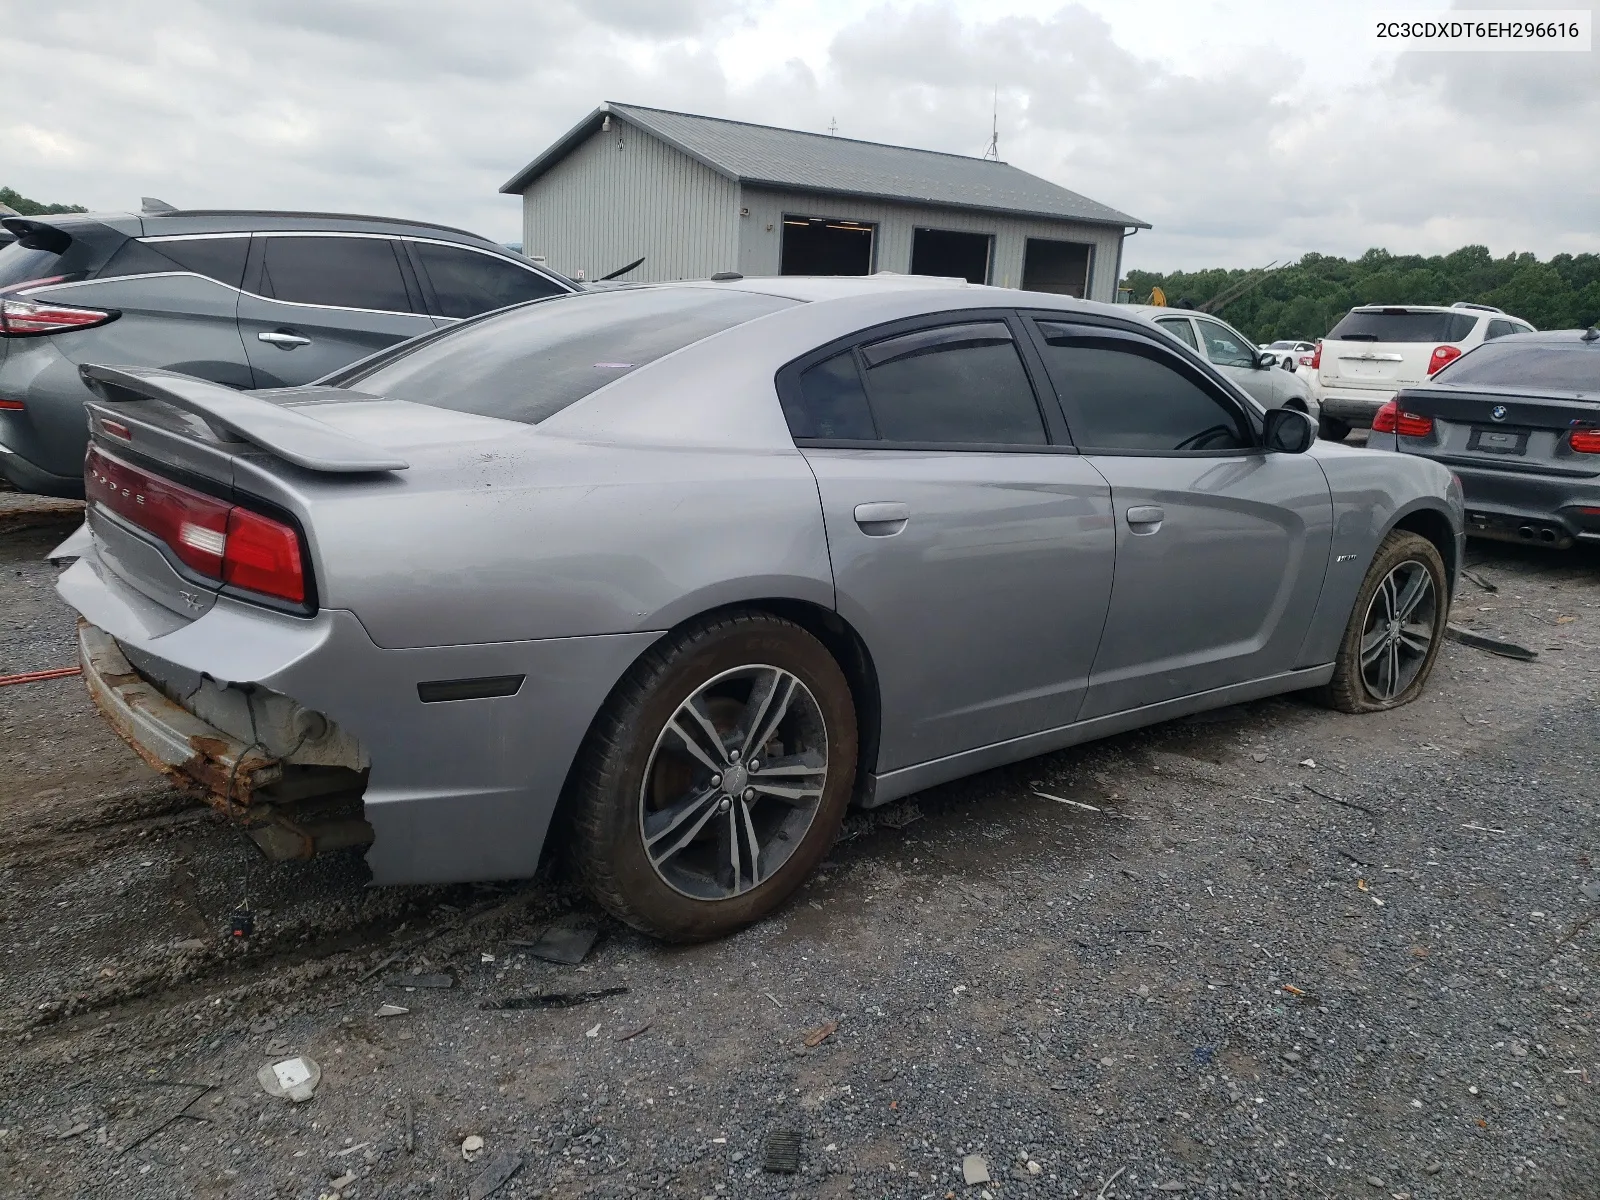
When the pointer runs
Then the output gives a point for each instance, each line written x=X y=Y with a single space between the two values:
x=530 y=363
x=53 y=255
x=1574 y=368
x=1401 y=326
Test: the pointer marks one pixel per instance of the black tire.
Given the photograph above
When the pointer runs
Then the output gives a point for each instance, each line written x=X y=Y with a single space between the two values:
x=1332 y=429
x=1353 y=688
x=613 y=796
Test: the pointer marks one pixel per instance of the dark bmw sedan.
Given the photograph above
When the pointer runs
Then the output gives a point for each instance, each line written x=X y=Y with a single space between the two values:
x=1518 y=421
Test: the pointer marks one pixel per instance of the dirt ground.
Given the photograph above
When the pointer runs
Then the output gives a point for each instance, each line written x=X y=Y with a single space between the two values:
x=1270 y=951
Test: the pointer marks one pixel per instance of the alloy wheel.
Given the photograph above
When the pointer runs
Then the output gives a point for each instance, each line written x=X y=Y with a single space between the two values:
x=1398 y=632
x=733 y=782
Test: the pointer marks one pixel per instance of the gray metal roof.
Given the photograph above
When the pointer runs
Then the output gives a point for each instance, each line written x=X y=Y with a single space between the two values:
x=816 y=162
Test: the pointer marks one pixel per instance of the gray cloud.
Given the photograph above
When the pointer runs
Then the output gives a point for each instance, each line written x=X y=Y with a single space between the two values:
x=423 y=111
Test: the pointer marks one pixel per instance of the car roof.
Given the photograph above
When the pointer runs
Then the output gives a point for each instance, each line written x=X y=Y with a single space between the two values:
x=1550 y=337
x=250 y=220
x=1479 y=310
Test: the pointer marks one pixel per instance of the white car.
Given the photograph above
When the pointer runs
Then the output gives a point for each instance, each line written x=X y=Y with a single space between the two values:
x=1288 y=351
x=1377 y=349
x=1230 y=352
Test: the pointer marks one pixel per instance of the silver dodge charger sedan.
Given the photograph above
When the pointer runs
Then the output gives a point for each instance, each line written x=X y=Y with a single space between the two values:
x=683 y=571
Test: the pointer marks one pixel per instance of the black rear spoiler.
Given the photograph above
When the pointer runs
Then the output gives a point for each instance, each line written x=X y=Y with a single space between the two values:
x=238 y=416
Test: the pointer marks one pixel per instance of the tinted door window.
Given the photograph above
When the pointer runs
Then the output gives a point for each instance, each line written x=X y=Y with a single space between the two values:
x=953 y=384
x=1224 y=347
x=338 y=271
x=1180 y=328
x=1131 y=396
x=466 y=283
x=830 y=403
x=1499 y=329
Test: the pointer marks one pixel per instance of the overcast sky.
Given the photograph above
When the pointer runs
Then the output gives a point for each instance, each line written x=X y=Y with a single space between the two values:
x=1243 y=130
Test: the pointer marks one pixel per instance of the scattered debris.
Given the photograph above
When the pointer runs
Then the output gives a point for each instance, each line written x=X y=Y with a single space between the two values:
x=1591 y=889
x=1360 y=862
x=242 y=924
x=293 y=1079
x=1171 y=1185
x=628 y=1037
x=1309 y=762
x=1301 y=995
x=567 y=943
x=420 y=981
x=343 y=1181
x=593 y=1031
x=1482 y=828
x=1479 y=641
x=391 y=1010
x=1061 y=800
x=544 y=999
x=375 y=968
x=349 y=1150
x=1480 y=581
x=821 y=1034
x=773 y=998
x=74 y=1131
x=471 y=1146
x=782 y=1152
x=411 y=1129
x=974 y=1170
x=900 y=815
x=1337 y=800
x=1108 y=1183
x=1204 y=1054
x=500 y=1168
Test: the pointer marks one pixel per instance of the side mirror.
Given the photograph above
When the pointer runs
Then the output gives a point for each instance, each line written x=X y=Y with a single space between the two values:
x=1288 y=431
x=1265 y=360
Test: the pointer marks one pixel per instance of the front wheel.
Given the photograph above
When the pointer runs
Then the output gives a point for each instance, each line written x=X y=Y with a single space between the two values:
x=1332 y=429
x=1395 y=630
x=716 y=777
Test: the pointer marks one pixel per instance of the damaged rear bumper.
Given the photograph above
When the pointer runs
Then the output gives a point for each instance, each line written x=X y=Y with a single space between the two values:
x=291 y=809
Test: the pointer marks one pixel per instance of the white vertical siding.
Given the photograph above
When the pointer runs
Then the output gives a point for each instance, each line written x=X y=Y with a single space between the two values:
x=761 y=234
x=603 y=206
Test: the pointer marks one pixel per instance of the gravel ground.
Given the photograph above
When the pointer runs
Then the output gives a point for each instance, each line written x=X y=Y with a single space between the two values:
x=1271 y=951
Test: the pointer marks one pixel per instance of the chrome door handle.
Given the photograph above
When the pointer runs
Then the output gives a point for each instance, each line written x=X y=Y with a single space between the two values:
x=286 y=341
x=883 y=518
x=1146 y=518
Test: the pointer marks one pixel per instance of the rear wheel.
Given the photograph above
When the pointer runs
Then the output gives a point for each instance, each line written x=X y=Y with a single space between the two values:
x=716 y=778
x=1332 y=429
x=1395 y=630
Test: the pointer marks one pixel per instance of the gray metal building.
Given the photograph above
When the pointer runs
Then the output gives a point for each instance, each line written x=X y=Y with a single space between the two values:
x=697 y=195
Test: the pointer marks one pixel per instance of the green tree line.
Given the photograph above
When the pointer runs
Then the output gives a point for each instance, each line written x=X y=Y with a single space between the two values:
x=12 y=198
x=1306 y=298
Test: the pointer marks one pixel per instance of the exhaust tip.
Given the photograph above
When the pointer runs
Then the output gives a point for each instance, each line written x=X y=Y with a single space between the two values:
x=1525 y=531
x=1547 y=535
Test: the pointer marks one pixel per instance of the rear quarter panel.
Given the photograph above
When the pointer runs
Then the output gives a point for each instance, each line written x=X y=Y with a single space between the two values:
x=1372 y=491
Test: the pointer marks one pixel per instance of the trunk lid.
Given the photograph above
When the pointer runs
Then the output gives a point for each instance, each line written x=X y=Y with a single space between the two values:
x=1525 y=429
x=1384 y=349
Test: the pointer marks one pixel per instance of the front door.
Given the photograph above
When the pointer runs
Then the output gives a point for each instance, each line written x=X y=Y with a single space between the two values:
x=314 y=303
x=971 y=549
x=1239 y=360
x=1220 y=547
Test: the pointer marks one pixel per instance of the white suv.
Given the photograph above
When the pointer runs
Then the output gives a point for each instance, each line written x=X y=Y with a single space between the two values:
x=1377 y=349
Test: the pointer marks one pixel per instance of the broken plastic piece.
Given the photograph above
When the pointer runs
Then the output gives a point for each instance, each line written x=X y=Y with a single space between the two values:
x=293 y=1079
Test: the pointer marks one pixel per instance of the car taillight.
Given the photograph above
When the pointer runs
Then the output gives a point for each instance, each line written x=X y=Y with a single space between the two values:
x=263 y=555
x=1585 y=441
x=30 y=318
x=210 y=536
x=1316 y=357
x=12 y=406
x=1390 y=419
x=1443 y=356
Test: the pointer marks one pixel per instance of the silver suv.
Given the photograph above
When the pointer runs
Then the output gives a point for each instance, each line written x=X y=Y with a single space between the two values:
x=1377 y=349
x=247 y=299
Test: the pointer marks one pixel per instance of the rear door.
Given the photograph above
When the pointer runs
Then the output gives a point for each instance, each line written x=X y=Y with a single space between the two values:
x=316 y=302
x=1220 y=547
x=971 y=547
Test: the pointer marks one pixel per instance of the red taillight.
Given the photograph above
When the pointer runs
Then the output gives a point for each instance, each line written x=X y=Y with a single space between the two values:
x=1443 y=356
x=1585 y=441
x=212 y=537
x=29 y=318
x=1389 y=419
x=1316 y=357
x=263 y=556
x=12 y=406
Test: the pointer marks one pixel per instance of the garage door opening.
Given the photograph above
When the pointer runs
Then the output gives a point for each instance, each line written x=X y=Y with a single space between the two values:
x=952 y=255
x=820 y=246
x=1059 y=267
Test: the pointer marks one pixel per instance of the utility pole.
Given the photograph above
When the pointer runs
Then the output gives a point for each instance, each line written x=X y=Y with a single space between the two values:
x=833 y=126
x=993 y=152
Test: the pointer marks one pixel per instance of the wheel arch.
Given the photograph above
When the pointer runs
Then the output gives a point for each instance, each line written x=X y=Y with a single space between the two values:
x=837 y=636
x=1434 y=525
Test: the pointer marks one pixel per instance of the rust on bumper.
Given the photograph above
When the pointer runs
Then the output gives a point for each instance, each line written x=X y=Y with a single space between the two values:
x=170 y=738
x=289 y=810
